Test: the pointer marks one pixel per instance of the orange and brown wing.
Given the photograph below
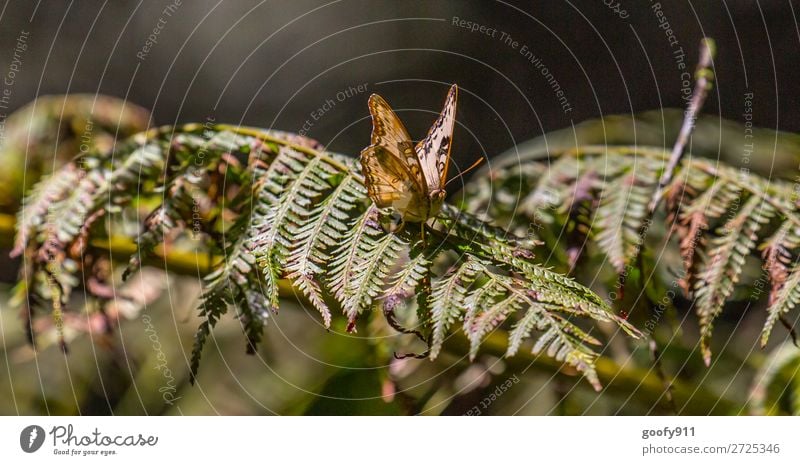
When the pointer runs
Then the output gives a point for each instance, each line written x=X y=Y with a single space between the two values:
x=388 y=132
x=390 y=184
x=392 y=173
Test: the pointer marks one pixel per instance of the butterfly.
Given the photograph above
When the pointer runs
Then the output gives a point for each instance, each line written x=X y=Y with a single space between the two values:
x=406 y=177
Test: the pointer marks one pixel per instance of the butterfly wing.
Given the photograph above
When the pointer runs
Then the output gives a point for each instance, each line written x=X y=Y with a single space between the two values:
x=433 y=152
x=390 y=183
x=392 y=172
x=388 y=132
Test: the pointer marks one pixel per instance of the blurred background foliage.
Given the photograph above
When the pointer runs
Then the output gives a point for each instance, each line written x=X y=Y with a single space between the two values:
x=272 y=64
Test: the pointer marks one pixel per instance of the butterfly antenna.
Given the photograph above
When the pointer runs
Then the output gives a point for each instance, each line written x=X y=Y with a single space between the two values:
x=461 y=174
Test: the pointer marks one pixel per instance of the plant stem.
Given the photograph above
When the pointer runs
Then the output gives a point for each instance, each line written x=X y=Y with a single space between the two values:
x=705 y=79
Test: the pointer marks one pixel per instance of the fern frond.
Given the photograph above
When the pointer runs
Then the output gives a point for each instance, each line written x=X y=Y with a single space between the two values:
x=783 y=274
x=487 y=306
x=695 y=216
x=184 y=200
x=784 y=300
x=312 y=237
x=377 y=257
x=447 y=301
x=342 y=267
x=622 y=211
x=724 y=264
x=304 y=216
x=410 y=276
x=721 y=216
x=35 y=206
x=233 y=283
x=487 y=298
x=287 y=221
x=547 y=196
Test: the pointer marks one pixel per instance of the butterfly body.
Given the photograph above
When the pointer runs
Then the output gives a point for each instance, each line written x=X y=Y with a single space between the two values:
x=406 y=177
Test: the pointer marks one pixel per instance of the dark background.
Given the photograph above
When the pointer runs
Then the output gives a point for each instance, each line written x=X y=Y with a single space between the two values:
x=273 y=63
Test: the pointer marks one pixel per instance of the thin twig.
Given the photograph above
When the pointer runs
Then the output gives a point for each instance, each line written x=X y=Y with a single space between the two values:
x=704 y=81
x=704 y=76
x=789 y=327
x=655 y=354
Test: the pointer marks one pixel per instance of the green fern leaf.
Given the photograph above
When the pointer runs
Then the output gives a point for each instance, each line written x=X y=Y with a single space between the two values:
x=447 y=301
x=342 y=268
x=304 y=216
x=619 y=218
x=376 y=260
x=725 y=262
